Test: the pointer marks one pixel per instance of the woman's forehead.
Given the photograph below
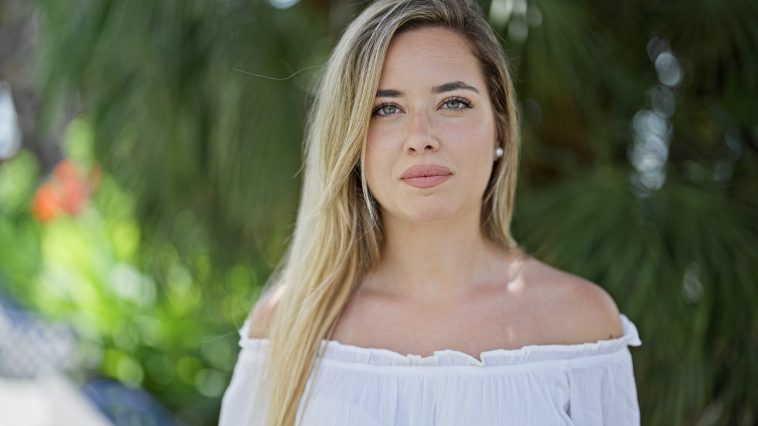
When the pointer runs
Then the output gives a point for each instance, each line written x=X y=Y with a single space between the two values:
x=429 y=56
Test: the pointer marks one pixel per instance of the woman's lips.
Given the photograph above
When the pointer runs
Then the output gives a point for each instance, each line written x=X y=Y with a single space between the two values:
x=426 y=181
x=426 y=176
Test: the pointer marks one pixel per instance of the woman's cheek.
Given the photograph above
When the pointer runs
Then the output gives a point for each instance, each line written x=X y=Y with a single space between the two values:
x=478 y=164
x=378 y=172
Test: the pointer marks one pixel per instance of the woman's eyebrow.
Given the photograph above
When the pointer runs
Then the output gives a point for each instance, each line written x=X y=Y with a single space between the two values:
x=389 y=93
x=453 y=85
x=447 y=87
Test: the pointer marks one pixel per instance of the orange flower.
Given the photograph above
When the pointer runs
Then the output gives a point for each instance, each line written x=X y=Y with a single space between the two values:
x=66 y=190
x=45 y=203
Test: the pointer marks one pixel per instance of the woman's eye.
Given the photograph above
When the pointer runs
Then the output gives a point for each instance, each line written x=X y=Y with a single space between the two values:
x=386 y=109
x=456 y=104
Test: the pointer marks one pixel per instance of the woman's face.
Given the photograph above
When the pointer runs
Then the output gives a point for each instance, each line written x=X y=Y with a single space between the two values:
x=432 y=108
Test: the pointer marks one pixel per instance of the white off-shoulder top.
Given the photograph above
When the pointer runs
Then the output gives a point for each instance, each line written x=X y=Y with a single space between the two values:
x=562 y=384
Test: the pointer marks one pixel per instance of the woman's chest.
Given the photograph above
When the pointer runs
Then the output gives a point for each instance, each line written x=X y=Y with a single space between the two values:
x=473 y=325
x=441 y=400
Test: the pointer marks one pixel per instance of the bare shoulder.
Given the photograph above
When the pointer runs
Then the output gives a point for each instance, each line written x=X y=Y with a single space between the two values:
x=585 y=310
x=264 y=308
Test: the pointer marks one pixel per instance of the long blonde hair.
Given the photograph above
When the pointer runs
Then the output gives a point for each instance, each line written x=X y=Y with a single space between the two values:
x=338 y=234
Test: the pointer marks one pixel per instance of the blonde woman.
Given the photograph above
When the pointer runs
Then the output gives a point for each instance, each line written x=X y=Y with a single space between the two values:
x=403 y=298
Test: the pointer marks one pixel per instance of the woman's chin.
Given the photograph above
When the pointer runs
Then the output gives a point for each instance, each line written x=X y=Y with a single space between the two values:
x=427 y=209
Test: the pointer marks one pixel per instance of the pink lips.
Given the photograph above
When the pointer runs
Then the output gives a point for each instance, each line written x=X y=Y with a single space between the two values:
x=426 y=176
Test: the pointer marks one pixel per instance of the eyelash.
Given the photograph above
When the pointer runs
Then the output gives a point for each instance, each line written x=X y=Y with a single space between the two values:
x=467 y=104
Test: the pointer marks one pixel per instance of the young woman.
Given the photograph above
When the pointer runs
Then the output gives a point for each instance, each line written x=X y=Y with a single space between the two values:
x=403 y=298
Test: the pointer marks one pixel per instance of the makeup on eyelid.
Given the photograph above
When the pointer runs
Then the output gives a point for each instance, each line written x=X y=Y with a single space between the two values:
x=465 y=102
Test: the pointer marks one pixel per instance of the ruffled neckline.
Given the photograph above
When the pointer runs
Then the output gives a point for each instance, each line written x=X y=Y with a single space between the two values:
x=335 y=350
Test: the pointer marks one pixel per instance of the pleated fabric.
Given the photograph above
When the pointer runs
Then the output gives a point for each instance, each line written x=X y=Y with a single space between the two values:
x=588 y=384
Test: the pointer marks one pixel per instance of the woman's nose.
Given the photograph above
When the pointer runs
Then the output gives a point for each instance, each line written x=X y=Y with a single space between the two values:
x=421 y=135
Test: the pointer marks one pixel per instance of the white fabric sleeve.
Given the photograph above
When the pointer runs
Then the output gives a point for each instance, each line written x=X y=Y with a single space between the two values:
x=245 y=402
x=605 y=393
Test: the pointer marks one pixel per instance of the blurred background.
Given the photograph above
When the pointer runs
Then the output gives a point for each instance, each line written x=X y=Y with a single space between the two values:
x=150 y=158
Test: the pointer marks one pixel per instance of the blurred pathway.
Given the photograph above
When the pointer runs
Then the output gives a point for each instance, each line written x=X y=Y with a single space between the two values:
x=51 y=400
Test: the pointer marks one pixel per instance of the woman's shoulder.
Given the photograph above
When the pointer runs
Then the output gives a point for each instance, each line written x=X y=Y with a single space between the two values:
x=585 y=311
x=263 y=310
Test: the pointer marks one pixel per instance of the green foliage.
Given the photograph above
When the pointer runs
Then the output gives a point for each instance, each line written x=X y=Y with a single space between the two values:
x=200 y=155
x=20 y=252
x=88 y=270
x=183 y=108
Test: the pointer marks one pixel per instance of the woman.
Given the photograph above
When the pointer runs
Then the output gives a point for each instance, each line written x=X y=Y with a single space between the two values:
x=403 y=246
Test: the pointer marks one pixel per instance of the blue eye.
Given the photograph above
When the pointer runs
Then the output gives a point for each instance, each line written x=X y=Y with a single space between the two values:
x=386 y=109
x=456 y=103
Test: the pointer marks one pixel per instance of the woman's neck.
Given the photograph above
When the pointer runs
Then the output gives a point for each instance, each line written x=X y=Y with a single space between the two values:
x=433 y=262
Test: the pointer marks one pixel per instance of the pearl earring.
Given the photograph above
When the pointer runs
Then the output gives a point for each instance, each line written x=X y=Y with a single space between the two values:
x=499 y=152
